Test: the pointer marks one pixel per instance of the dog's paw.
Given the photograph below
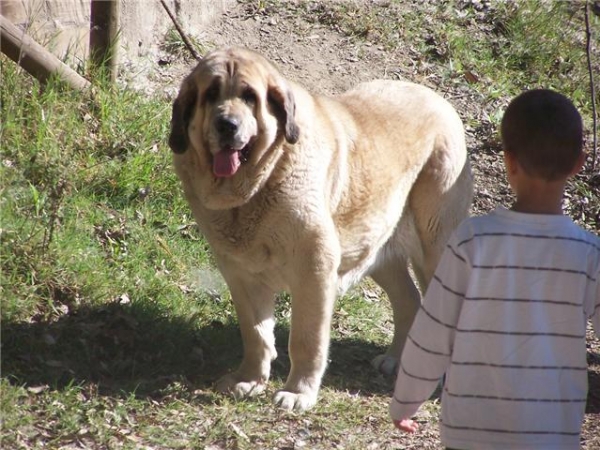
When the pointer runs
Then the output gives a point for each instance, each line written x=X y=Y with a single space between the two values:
x=229 y=384
x=292 y=401
x=385 y=364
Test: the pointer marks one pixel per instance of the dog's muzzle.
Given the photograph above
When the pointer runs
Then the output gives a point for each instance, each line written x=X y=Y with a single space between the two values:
x=227 y=127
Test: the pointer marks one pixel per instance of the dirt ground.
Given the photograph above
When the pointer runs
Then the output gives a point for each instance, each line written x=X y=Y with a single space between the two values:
x=328 y=62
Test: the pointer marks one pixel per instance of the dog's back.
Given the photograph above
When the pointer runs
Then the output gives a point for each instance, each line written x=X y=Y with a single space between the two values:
x=409 y=182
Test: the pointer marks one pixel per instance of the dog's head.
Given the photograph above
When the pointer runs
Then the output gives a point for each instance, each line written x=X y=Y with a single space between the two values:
x=231 y=109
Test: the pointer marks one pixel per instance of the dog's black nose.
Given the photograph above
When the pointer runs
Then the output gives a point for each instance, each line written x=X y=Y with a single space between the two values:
x=226 y=125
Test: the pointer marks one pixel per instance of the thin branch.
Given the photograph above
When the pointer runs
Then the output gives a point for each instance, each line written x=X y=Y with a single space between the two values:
x=588 y=35
x=186 y=41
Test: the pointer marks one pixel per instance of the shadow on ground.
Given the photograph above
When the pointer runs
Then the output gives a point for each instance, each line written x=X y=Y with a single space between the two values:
x=123 y=349
x=593 y=400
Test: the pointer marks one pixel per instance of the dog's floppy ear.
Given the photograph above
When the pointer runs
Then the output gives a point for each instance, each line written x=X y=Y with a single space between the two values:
x=284 y=104
x=180 y=119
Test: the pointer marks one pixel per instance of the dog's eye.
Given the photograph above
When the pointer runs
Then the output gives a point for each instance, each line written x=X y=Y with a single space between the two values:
x=211 y=93
x=249 y=96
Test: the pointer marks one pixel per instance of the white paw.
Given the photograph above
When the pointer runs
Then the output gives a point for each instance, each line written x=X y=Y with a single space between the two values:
x=229 y=384
x=292 y=401
x=385 y=364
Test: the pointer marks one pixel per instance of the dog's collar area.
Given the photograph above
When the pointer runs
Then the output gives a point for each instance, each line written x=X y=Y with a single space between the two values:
x=244 y=154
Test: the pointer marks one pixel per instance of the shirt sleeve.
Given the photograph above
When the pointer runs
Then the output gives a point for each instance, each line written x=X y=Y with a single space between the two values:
x=595 y=316
x=428 y=347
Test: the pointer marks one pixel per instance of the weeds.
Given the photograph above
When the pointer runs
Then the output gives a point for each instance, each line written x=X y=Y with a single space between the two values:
x=501 y=48
x=176 y=46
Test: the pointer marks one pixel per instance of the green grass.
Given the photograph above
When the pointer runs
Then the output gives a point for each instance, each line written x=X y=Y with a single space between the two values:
x=174 y=44
x=502 y=48
x=114 y=321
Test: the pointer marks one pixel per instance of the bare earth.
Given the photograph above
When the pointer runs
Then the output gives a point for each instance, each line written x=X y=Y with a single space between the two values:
x=327 y=61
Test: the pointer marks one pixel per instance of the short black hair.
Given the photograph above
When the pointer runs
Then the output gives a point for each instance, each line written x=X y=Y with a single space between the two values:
x=544 y=131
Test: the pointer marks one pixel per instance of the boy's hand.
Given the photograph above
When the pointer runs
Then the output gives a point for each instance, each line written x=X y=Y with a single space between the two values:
x=406 y=425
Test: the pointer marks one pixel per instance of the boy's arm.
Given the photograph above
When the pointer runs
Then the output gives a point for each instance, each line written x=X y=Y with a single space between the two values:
x=595 y=316
x=428 y=348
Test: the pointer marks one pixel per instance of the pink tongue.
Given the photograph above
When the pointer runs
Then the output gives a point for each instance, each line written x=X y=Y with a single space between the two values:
x=226 y=163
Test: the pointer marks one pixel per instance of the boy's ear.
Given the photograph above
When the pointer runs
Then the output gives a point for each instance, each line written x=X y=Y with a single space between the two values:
x=510 y=161
x=578 y=164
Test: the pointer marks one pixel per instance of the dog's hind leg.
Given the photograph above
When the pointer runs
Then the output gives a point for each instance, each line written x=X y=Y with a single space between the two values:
x=394 y=278
x=438 y=203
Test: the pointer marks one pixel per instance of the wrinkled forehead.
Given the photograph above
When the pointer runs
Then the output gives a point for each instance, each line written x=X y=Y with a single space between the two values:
x=232 y=71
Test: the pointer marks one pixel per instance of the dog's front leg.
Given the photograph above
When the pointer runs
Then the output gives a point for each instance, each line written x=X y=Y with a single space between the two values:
x=313 y=297
x=254 y=304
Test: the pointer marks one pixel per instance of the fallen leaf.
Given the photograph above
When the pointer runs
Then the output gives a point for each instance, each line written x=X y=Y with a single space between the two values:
x=237 y=430
x=471 y=77
x=37 y=389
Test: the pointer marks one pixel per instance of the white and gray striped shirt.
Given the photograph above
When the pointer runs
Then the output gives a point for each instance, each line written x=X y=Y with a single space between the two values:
x=505 y=318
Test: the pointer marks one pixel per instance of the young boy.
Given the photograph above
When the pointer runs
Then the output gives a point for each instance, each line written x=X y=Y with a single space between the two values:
x=505 y=313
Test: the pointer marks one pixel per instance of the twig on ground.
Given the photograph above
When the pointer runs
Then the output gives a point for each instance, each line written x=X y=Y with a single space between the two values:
x=186 y=41
x=588 y=35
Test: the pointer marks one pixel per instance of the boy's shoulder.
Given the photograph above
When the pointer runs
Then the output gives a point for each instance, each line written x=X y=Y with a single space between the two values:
x=502 y=221
x=485 y=223
x=591 y=238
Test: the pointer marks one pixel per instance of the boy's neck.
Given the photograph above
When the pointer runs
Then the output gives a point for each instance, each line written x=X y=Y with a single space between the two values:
x=537 y=209
x=536 y=196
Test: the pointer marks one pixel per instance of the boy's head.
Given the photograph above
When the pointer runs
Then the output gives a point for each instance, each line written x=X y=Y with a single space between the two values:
x=543 y=130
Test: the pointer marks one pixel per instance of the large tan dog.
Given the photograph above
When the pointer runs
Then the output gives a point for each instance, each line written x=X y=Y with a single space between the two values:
x=309 y=194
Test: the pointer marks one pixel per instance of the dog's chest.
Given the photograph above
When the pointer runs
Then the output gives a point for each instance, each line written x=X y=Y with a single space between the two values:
x=246 y=237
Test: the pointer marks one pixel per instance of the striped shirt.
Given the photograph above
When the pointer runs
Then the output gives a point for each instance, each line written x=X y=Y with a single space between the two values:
x=505 y=318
